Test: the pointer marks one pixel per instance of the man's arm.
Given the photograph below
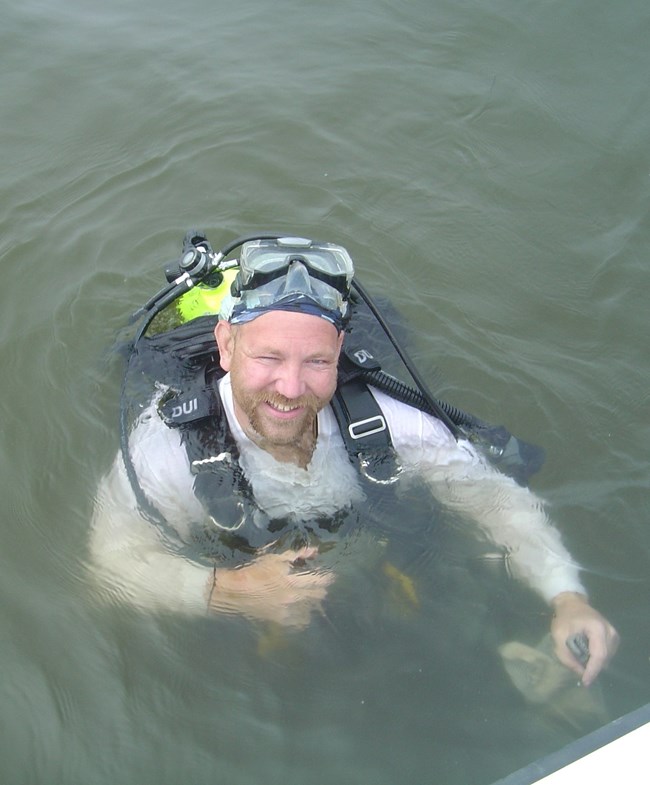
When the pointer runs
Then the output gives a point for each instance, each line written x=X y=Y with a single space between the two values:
x=132 y=563
x=514 y=519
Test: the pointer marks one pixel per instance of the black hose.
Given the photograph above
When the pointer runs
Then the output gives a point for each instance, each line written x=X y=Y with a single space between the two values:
x=414 y=397
x=434 y=405
x=230 y=247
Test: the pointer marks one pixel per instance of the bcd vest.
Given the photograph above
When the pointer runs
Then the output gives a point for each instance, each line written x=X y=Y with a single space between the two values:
x=234 y=518
x=185 y=361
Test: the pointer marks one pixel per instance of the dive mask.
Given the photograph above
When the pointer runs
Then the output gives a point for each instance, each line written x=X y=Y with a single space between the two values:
x=292 y=274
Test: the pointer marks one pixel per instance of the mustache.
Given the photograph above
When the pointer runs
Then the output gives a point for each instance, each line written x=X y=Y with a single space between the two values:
x=309 y=402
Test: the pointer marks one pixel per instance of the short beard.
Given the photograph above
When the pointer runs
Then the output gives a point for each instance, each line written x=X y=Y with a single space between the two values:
x=285 y=433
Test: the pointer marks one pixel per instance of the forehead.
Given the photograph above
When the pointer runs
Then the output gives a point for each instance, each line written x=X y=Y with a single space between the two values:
x=284 y=328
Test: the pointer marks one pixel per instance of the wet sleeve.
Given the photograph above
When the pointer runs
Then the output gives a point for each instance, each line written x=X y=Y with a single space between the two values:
x=129 y=558
x=514 y=519
x=511 y=516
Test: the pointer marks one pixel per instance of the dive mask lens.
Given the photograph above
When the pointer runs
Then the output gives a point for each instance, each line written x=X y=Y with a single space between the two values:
x=295 y=289
x=263 y=260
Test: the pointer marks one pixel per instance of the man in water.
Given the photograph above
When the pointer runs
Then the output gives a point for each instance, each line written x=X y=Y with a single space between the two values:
x=279 y=339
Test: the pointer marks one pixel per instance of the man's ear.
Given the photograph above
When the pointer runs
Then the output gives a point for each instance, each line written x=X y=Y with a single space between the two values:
x=225 y=341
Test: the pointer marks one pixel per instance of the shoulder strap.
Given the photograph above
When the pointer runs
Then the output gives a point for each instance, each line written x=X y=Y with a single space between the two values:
x=361 y=421
x=219 y=481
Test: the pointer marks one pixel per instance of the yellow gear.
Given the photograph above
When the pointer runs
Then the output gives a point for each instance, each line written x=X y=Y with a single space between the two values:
x=202 y=299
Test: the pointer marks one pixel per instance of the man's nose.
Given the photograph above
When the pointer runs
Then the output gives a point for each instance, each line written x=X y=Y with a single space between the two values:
x=290 y=382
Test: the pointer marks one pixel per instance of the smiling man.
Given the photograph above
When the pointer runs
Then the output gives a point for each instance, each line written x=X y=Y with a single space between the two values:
x=279 y=386
x=265 y=480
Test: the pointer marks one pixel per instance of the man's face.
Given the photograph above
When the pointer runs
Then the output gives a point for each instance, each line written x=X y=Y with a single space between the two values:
x=283 y=370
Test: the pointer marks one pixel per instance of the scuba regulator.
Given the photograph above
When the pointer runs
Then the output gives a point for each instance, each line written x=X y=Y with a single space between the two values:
x=199 y=266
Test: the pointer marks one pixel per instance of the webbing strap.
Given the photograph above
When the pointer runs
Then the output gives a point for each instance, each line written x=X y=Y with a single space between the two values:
x=361 y=421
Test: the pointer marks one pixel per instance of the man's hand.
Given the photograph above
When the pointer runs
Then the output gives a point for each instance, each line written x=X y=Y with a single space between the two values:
x=574 y=616
x=275 y=587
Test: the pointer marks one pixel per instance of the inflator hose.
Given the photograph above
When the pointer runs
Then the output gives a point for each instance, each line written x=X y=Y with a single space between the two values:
x=434 y=406
x=413 y=397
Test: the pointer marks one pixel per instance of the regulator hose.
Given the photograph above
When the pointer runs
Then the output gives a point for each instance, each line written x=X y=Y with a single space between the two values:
x=434 y=405
x=414 y=397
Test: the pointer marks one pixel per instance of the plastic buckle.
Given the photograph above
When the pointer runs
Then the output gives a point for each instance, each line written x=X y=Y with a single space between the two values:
x=355 y=433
